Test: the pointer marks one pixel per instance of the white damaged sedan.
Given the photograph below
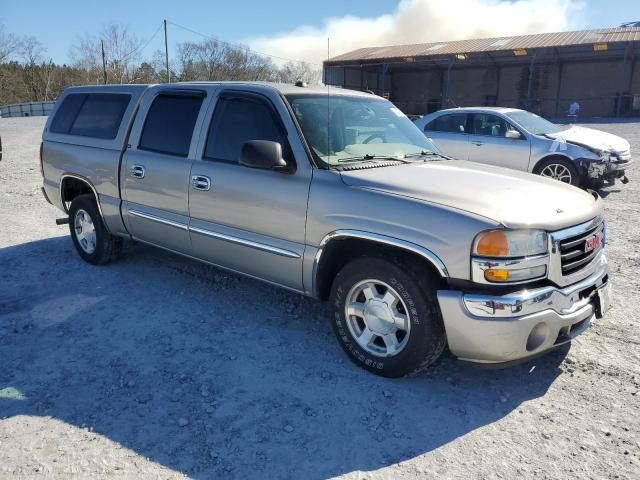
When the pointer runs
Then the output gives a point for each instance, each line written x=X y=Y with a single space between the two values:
x=521 y=140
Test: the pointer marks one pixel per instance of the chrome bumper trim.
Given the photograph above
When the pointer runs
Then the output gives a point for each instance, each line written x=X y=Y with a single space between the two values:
x=525 y=302
x=502 y=329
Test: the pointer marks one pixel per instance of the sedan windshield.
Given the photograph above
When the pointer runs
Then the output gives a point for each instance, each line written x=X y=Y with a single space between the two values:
x=341 y=129
x=533 y=123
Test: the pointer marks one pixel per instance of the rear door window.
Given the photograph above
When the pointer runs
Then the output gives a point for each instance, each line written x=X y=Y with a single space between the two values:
x=453 y=123
x=96 y=115
x=238 y=119
x=169 y=125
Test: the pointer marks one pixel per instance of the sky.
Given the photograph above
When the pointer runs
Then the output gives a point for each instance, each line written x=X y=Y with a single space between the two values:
x=299 y=29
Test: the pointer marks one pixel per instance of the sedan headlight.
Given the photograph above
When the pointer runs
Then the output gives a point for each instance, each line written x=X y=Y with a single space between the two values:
x=509 y=256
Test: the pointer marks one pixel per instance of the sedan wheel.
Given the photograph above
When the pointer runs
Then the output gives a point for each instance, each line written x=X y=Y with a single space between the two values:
x=557 y=172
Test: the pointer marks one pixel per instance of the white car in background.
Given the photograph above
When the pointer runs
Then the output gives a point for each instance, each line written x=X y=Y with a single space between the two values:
x=521 y=140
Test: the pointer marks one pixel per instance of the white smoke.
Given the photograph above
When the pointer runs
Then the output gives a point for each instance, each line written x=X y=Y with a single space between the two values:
x=421 y=21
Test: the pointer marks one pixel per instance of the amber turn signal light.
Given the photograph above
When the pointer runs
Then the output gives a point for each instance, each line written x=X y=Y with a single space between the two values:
x=493 y=244
x=496 y=275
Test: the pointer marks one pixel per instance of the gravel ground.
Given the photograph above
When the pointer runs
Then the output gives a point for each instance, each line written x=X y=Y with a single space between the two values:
x=160 y=367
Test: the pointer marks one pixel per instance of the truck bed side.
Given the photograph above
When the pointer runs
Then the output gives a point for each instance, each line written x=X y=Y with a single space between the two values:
x=69 y=158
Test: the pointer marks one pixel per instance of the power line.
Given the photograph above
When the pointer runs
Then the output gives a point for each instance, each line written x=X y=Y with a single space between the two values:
x=142 y=47
x=239 y=46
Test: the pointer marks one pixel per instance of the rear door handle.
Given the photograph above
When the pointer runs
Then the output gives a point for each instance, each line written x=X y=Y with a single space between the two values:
x=137 y=171
x=201 y=182
x=479 y=144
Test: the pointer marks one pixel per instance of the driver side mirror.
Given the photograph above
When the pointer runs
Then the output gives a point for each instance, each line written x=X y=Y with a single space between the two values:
x=514 y=134
x=263 y=154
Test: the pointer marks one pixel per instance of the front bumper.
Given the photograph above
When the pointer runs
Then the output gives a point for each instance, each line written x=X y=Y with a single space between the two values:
x=609 y=171
x=506 y=328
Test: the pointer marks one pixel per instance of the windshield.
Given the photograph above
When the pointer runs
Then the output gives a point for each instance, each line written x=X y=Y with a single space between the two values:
x=533 y=123
x=343 y=129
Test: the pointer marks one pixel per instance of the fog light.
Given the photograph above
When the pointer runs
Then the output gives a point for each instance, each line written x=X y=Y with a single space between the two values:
x=537 y=336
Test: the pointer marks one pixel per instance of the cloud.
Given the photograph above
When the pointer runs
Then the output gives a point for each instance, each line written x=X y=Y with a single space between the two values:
x=421 y=21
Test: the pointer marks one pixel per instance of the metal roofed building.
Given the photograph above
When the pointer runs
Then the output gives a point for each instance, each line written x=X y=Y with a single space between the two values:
x=543 y=73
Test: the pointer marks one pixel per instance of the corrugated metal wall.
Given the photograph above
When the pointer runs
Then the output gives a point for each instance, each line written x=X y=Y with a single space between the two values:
x=33 y=109
x=602 y=86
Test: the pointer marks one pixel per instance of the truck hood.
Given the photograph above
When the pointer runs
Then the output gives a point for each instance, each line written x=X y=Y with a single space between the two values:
x=508 y=197
x=593 y=139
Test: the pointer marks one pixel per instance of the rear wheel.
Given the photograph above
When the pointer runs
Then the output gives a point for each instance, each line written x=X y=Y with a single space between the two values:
x=559 y=169
x=386 y=317
x=92 y=240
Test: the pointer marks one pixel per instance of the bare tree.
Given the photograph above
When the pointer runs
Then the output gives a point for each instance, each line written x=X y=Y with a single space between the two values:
x=292 y=72
x=122 y=52
x=8 y=44
x=30 y=51
x=27 y=74
x=213 y=59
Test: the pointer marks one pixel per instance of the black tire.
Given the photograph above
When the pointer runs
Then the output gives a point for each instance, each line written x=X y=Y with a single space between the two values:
x=417 y=289
x=107 y=247
x=576 y=178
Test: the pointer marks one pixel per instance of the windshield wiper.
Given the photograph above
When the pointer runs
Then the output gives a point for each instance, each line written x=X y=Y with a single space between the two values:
x=370 y=158
x=426 y=153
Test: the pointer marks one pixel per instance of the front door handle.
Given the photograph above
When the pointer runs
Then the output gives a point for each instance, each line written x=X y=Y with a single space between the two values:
x=137 y=171
x=478 y=144
x=201 y=182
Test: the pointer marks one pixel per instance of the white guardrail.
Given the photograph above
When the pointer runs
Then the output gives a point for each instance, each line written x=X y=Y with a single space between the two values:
x=30 y=109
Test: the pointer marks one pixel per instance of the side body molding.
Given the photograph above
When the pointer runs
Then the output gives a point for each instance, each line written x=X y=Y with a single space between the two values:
x=425 y=253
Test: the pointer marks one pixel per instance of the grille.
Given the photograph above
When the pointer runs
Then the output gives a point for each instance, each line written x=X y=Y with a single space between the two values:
x=572 y=251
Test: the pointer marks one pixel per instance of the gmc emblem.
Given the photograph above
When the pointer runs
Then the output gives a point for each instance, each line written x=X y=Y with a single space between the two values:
x=593 y=243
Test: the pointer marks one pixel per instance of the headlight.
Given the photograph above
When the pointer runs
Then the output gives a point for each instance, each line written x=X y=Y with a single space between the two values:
x=509 y=256
x=510 y=243
x=603 y=155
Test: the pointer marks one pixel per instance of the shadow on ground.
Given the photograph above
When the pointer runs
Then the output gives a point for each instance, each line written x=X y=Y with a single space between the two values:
x=212 y=374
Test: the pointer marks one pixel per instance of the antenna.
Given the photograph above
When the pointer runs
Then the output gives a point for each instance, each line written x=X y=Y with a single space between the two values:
x=166 y=52
x=326 y=79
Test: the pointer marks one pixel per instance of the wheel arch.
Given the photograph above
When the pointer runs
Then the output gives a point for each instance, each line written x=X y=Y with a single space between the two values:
x=550 y=156
x=73 y=185
x=339 y=247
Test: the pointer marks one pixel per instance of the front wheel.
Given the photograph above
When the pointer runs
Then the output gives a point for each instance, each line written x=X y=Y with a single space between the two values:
x=386 y=317
x=559 y=169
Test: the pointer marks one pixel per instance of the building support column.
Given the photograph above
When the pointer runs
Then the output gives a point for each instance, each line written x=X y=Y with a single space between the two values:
x=624 y=67
x=560 y=68
x=499 y=71
x=529 y=83
x=445 y=95
x=385 y=68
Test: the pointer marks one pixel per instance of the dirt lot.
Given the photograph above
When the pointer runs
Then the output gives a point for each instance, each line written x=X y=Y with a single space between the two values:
x=159 y=367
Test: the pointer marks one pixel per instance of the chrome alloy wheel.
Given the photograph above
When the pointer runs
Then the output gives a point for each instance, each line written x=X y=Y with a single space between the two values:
x=85 y=231
x=557 y=171
x=377 y=318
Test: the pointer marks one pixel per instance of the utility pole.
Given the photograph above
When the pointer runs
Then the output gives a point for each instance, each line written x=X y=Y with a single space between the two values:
x=166 y=51
x=104 y=63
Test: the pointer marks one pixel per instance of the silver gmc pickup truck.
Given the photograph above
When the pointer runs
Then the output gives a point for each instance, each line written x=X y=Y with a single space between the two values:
x=336 y=195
